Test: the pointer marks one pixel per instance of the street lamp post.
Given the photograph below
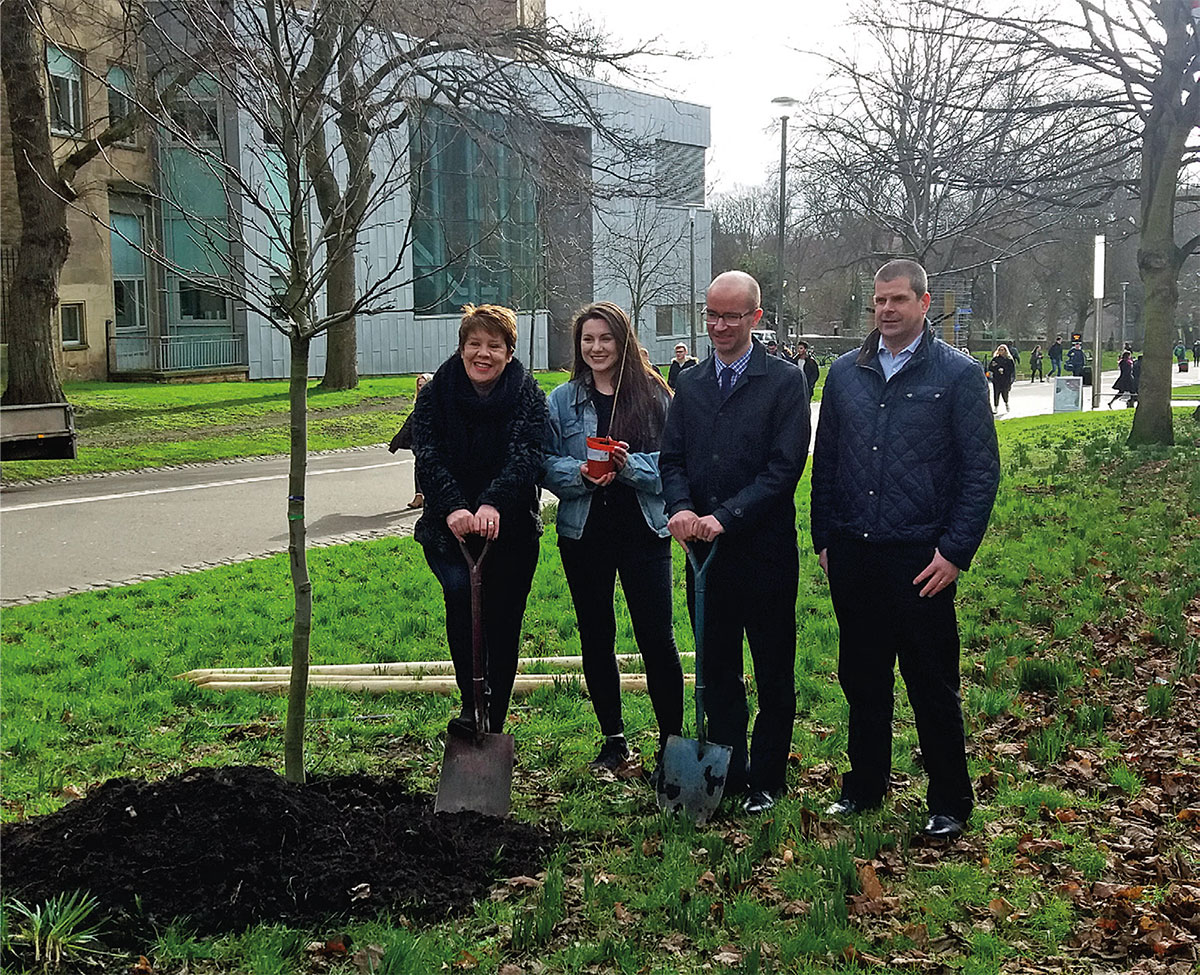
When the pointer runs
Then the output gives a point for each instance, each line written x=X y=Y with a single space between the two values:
x=1098 y=294
x=783 y=101
x=692 y=276
x=1124 y=288
x=693 y=310
x=994 y=322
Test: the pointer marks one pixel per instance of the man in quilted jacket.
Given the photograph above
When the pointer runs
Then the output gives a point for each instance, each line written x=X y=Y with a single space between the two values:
x=904 y=476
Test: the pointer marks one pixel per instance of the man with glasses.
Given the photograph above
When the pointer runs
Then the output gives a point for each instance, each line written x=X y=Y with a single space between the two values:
x=681 y=361
x=734 y=447
x=903 y=481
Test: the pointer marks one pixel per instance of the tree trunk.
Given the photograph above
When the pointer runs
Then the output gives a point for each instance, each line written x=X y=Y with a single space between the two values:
x=341 y=291
x=1152 y=420
x=42 y=199
x=293 y=736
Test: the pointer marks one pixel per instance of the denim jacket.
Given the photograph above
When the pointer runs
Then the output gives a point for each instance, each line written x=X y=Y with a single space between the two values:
x=571 y=421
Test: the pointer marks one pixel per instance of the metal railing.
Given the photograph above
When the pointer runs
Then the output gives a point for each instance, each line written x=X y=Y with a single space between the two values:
x=175 y=353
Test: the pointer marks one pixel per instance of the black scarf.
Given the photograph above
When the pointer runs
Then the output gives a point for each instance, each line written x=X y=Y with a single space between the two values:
x=476 y=428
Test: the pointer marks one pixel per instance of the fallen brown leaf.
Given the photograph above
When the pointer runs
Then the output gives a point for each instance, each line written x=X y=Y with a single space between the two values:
x=870 y=882
x=728 y=955
x=366 y=960
x=1001 y=909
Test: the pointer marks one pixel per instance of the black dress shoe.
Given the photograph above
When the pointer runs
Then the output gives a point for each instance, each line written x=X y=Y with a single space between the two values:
x=942 y=826
x=850 y=807
x=759 y=801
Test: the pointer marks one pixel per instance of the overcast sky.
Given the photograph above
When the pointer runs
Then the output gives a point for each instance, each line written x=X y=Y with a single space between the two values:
x=741 y=63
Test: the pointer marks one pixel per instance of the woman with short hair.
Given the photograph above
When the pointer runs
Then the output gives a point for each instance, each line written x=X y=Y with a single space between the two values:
x=477 y=438
x=616 y=522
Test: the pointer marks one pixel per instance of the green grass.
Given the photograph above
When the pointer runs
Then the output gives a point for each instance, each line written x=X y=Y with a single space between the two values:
x=127 y=426
x=1083 y=581
x=1186 y=392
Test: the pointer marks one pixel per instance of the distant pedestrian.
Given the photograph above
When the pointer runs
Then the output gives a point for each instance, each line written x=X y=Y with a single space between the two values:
x=403 y=440
x=1124 y=384
x=805 y=361
x=1055 y=352
x=1001 y=371
x=1181 y=356
x=683 y=360
x=1014 y=352
x=1076 y=361
x=1035 y=364
x=1196 y=353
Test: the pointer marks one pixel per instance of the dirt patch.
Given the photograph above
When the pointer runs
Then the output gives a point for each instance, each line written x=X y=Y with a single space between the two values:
x=228 y=847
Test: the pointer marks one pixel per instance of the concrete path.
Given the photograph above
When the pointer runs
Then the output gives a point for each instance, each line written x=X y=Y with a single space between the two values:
x=99 y=531
x=94 y=532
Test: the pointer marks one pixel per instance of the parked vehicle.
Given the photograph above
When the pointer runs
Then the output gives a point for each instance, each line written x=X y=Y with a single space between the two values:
x=44 y=431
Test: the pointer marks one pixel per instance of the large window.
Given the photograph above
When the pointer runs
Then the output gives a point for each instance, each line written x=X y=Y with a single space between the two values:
x=70 y=317
x=66 y=90
x=670 y=320
x=679 y=172
x=197 y=304
x=129 y=273
x=194 y=113
x=120 y=95
x=476 y=234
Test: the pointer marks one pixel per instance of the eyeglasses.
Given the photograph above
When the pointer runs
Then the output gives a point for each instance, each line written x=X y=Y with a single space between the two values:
x=729 y=317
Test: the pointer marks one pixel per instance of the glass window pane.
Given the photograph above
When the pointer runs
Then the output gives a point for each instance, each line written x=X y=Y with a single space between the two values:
x=126 y=236
x=120 y=87
x=71 y=317
x=60 y=62
x=198 y=305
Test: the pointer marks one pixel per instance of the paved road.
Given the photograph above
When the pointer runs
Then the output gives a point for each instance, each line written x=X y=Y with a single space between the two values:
x=92 y=532
x=95 y=531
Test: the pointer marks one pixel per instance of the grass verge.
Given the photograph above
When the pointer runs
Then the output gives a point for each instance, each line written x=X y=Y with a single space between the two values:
x=129 y=426
x=1083 y=605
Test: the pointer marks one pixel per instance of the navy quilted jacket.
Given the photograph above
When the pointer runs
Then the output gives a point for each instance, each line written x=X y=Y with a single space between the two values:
x=911 y=460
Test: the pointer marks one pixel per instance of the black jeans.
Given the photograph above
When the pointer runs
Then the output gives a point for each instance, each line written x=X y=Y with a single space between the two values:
x=998 y=392
x=750 y=589
x=507 y=577
x=1036 y=371
x=881 y=618
x=591 y=564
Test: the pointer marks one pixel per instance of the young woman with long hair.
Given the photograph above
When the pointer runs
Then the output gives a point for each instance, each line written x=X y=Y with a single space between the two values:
x=615 y=523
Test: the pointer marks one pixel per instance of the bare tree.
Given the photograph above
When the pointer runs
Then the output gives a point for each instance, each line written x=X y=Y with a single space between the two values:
x=643 y=252
x=932 y=140
x=335 y=108
x=1136 y=64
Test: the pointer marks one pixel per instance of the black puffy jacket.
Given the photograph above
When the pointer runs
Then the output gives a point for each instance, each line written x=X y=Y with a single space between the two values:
x=910 y=460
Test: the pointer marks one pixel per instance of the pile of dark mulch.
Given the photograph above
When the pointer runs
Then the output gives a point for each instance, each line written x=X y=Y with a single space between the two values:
x=228 y=847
